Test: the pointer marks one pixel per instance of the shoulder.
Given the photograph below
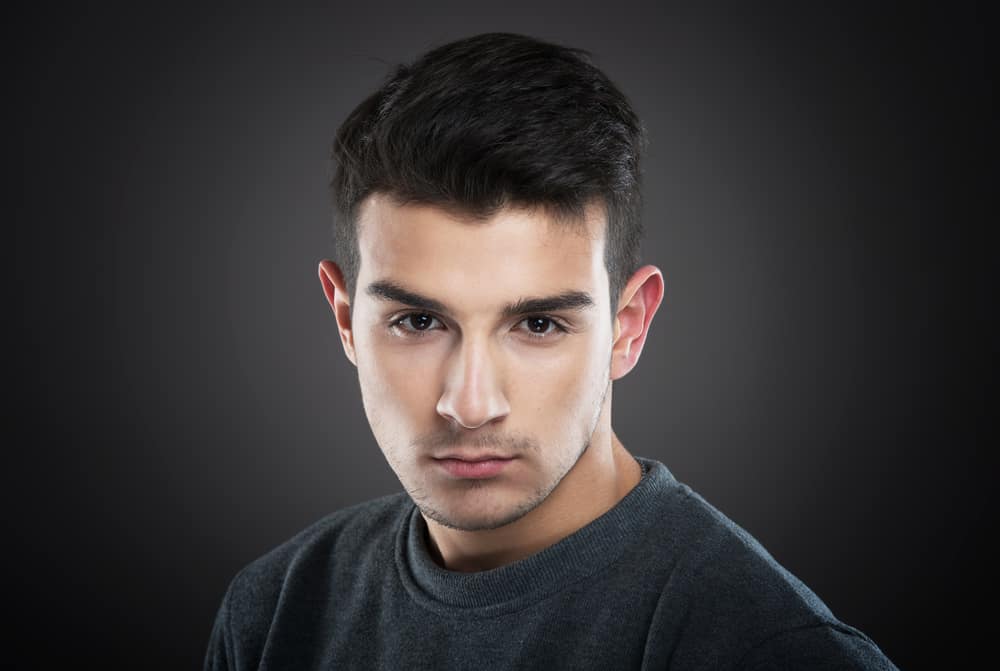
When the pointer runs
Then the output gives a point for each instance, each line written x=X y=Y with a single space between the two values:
x=735 y=601
x=736 y=565
x=322 y=554
x=345 y=533
x=717 y=558
x=355 y=525
x=828 y=646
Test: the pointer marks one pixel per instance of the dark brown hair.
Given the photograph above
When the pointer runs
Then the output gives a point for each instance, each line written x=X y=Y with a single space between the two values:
x=492 y=121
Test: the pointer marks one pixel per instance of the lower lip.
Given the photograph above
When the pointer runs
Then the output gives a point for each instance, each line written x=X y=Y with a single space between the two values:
x=476 y=470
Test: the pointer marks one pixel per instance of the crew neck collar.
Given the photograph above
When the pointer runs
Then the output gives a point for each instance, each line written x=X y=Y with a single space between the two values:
x=514 y=586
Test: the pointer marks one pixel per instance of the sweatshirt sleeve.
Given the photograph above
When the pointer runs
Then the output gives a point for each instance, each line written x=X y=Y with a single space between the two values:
x=823 y=647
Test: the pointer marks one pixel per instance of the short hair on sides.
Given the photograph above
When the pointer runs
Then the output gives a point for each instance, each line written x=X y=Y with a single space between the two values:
x=493 y=121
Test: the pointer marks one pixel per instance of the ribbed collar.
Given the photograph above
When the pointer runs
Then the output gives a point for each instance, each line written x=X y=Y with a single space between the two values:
x=515 y=586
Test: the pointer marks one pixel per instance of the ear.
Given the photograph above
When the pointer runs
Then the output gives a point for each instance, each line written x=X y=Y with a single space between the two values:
x=638 y=303
x=335 y=289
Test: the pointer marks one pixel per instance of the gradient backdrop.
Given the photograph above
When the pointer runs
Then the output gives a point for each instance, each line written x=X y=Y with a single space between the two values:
x=815 y=191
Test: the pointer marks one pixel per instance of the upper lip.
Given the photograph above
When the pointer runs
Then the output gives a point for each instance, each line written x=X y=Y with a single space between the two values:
x=473 y=456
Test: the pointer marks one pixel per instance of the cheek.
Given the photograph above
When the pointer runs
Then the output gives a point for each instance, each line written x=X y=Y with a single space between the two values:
x=561 y=383
x=397 y=382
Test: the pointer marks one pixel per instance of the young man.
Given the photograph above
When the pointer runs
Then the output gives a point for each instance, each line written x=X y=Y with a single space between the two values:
x=488 y=293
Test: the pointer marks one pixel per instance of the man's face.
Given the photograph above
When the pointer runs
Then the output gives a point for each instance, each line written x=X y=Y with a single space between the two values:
x=480 y=409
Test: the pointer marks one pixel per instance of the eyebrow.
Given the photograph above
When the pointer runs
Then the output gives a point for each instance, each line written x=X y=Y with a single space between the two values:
x=387 y=290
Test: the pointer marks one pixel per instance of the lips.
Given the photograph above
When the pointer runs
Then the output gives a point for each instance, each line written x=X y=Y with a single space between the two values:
x=473 y=466
x=473 y=455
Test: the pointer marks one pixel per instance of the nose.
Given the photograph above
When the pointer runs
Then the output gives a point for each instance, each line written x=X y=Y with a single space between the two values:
x=473 y=393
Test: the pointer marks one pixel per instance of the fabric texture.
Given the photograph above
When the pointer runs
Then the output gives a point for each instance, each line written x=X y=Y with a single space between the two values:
x=661 y=581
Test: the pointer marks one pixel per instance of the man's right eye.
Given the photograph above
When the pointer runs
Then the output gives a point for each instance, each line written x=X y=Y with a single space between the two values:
x=414 y=323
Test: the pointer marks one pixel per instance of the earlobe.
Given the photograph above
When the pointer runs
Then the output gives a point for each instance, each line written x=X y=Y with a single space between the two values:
x=335 y=290
x=639 y=302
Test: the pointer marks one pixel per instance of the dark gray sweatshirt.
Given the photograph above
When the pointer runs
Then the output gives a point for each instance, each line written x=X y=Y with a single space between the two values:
x=661 y=581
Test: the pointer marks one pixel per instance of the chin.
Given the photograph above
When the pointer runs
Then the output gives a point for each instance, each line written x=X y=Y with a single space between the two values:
x=471 y=517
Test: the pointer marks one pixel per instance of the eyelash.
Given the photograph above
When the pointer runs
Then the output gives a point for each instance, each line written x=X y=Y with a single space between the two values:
x=396 y=325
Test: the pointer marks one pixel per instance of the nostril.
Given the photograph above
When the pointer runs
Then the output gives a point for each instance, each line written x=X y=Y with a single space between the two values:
x=472 y=413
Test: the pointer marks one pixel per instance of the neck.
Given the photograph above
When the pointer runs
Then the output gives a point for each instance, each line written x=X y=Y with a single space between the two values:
x=603 y=475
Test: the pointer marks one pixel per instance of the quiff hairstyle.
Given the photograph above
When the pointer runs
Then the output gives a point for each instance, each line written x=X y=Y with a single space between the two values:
x=492 y=121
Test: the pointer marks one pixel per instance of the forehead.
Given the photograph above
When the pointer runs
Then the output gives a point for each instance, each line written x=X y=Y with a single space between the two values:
x=467 y=262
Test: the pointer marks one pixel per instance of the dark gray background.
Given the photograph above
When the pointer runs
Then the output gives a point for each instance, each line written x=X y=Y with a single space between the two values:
x=815 y=192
